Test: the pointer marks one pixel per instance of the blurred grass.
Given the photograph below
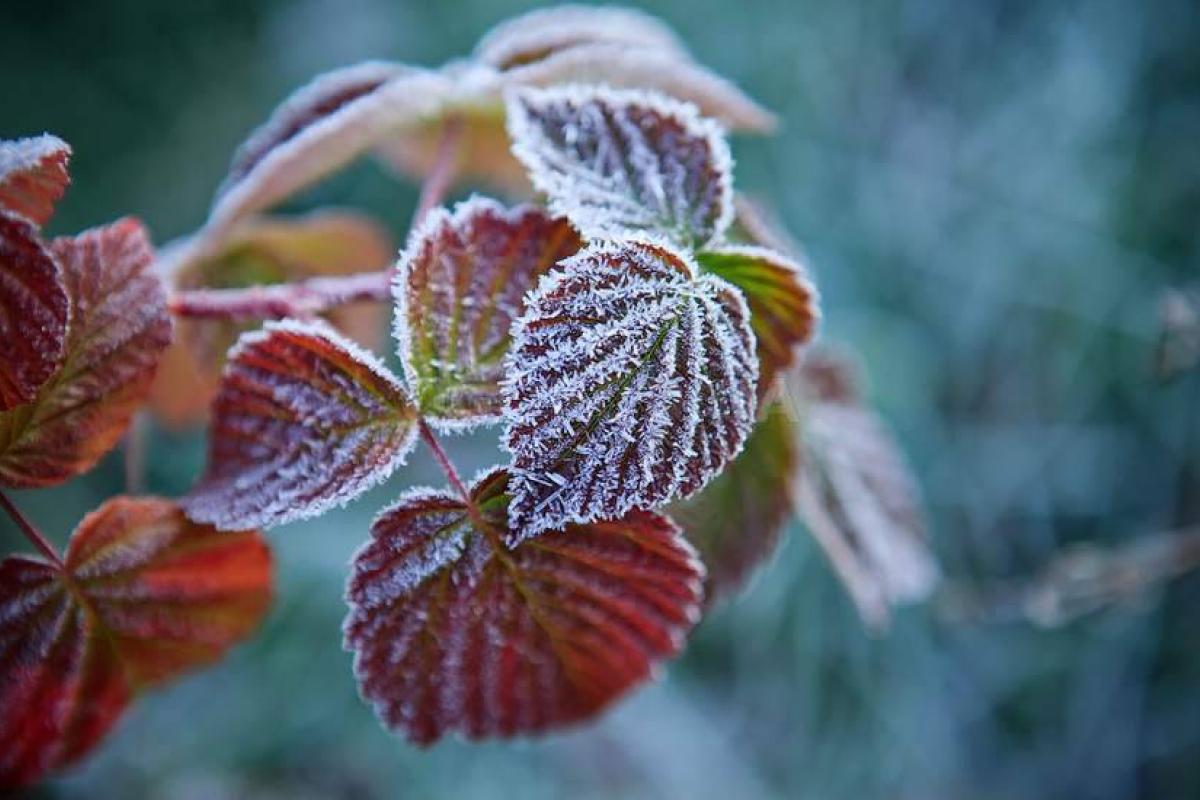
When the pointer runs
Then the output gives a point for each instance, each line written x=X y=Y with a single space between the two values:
x=993 y=196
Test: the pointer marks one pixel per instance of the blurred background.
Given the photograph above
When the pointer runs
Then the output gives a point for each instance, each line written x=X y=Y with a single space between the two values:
x=993 y=196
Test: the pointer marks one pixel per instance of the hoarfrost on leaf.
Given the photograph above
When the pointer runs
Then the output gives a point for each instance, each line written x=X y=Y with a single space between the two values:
x=33 y=176
x=461 y=282
x=631 y=382
x=538 y=34
x=305 y=420
x=737 y=520
x=782 y=300
x=619 y=163
x=33 y=312
x=143 y=596
x=856 y=494
x=454 y=633
x=118 y=330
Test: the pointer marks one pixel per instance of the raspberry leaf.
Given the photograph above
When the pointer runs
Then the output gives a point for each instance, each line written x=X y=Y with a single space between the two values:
x=782 y=300
x=737 y=520
x=621 y=163
x=630 y=383
x=857 y=496
x=453 y=632
x=305 y=420
x=33 y=176
x=118 y=330
x=143 y=596
x=462 y=282
x=33 y=312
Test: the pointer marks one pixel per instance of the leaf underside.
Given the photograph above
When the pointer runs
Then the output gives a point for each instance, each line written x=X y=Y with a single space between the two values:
x=856 y=494
x=453 y=632
x=782 y=301
x=737 y=520
x=144 y=596
x=461 y=284
x=33 y=312
x=621 y=163
x=118 y=330
x=304 y=420
x=33 y=176
x=630 y=383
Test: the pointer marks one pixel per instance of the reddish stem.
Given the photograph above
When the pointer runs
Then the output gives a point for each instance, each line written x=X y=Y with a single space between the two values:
x=441 y=174
x=302 y=299
x=443 y=459
x=31 y=532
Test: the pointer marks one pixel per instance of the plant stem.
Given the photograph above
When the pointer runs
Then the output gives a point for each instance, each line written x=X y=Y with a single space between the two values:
x=442 y=457
x=301 y=299
x=31 y=532
x=441 y=173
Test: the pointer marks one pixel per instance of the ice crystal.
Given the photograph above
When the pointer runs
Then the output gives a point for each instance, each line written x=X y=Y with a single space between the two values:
x=631 y=382
x=625 y=162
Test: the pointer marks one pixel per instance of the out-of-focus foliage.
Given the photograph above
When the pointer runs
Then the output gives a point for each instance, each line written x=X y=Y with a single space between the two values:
x=992 y=196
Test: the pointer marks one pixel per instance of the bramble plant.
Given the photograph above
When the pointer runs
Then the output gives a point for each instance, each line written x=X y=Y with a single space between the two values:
x=636 y=335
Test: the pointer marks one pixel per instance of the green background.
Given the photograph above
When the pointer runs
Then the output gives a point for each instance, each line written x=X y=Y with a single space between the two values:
x=993 y=195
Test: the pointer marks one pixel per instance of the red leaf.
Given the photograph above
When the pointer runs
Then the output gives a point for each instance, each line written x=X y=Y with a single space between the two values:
x=782 y=300
x=144 y=595
x=452 y=632
x=33 y=312
x=33 y=176
x=737 y=520
x=462 y=283
x=630 y=384
x=319 y=128
x=304 y=420
x=118 y=330
x=619 y=162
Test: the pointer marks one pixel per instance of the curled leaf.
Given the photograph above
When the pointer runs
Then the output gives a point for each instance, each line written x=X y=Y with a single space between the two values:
x=856 y=494
x=782 y=300
x=321 y=127
x=33 y=176
x=453 y=632
x=538 y=34
x=304 y=420
x=118 y=330
x=143 y=596
x=620 y=163
x=33 y=312
x=630 y=383
x=736 y=521
x=461 y=283
x=262 y=251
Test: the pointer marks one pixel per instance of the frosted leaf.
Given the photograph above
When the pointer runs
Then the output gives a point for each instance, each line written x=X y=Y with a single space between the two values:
x=737 y=520
x=144 y=596
x=454 y=633
x=118 y=330
x=321 y=127
x=538 y=34
x=461 y=283
x=856 y=494
x=630 y=383
x=33 y=312
x=263 y=251
x=618 y=163
x=33 y=176
x=783 y=302
x=659 y=70
x=305 y=420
